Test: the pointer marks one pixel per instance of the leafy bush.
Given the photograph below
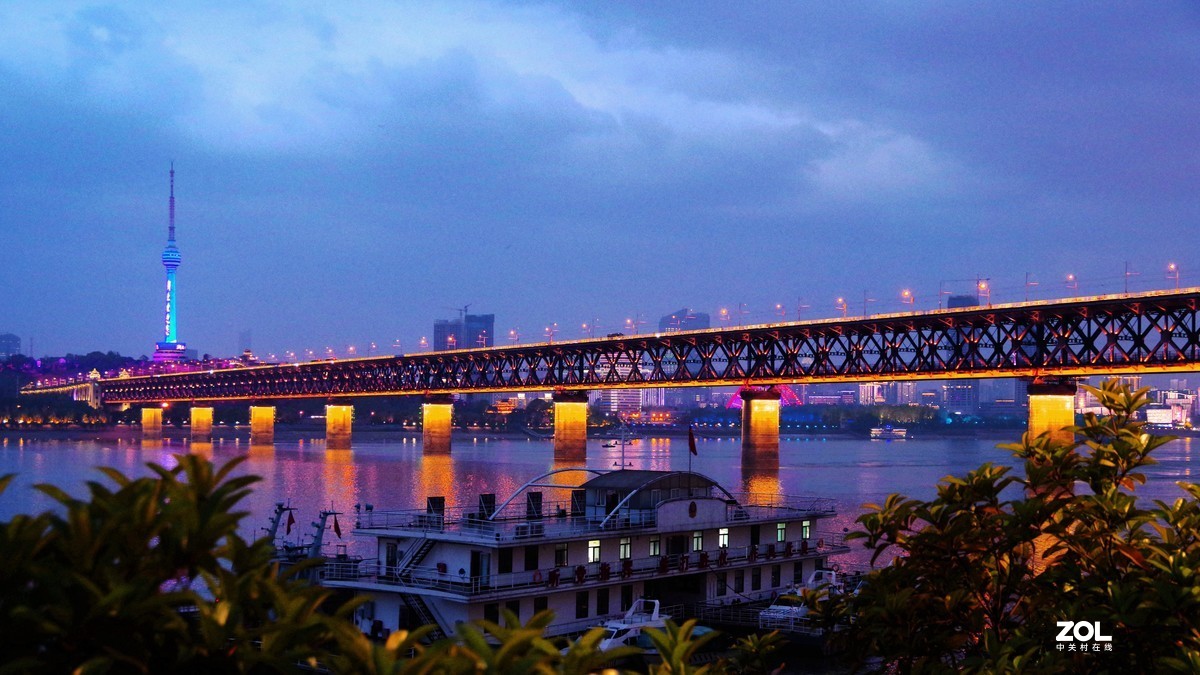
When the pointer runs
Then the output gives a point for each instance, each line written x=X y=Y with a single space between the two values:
x=988 y=568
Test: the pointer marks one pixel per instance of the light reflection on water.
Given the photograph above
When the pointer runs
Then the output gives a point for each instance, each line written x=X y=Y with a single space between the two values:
x=389 y=471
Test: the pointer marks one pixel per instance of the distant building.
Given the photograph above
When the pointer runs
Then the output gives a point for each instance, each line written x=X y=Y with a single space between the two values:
x=620 y=401
x=10 y=346
x=683 y=320
x=479 y=330
x=871 y=393
x=446 y=334
x=960 y=397
x=466 y=332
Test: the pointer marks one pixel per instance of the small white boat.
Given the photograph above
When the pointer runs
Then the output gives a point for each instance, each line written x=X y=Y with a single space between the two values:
x=626 y=630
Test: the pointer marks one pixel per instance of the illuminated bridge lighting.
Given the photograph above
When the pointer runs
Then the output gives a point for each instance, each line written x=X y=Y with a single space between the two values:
x=1148 y=332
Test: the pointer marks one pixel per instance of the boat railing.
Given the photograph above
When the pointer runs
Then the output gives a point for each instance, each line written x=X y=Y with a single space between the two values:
x=556 y=519
x=752 y=617
x=441 y=577
x=574 y=628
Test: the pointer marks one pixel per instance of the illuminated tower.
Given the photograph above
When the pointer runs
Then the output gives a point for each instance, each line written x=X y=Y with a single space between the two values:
x=170 y=349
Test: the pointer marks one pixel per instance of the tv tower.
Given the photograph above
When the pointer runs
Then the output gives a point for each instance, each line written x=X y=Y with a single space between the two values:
x=170 y=349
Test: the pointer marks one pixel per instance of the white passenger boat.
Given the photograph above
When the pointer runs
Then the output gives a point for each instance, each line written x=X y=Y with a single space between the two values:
x=592 y=552
x=888 y=433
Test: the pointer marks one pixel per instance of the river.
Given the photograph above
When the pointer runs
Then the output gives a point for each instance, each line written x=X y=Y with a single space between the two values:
x=389 y=471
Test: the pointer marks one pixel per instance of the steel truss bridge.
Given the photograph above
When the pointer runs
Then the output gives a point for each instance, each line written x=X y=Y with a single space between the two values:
x=1135 y=333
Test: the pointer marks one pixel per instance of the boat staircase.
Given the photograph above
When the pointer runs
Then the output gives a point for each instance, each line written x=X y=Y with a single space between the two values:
x=418 y=608
x=414 y=556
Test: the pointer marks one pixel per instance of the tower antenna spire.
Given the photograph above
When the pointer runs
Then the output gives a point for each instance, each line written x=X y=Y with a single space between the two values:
x=171 y=227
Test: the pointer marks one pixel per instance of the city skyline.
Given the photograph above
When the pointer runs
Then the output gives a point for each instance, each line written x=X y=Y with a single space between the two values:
x=363 y=167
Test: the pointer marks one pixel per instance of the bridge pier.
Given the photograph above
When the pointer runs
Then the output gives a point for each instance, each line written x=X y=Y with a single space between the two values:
x=1051 y=408
x=152 y=424
x=262 y=425
x=202 y=421
x=437 y=415
x=338 y=422
x=570 y=425
x=760 y=423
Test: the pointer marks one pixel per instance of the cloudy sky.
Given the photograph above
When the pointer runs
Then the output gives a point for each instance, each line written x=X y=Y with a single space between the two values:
x=348 y=172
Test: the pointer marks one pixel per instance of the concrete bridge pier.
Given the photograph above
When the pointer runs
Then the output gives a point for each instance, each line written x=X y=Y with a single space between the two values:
x=570 y=425
x=437 y=415
x=202 y=422
x=1052 y=407
x=338 y=422
x=152 y=424
x=262 y=425
x=760 y=424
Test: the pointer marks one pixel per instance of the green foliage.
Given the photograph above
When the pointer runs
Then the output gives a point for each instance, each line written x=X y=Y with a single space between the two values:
x=756 y=654
x=149 y=575
x=987 y=568
x=678 y=647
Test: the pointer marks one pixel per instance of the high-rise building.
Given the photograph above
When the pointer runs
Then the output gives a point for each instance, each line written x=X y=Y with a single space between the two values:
x=171 y=349
x=871 y=393
x=479 y=330
x=960 y=397
x=683 y=320
x=465 y=332
x=447 y=334
x=10 y=346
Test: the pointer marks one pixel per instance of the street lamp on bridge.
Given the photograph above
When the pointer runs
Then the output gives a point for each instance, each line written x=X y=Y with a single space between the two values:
x=1173 y=273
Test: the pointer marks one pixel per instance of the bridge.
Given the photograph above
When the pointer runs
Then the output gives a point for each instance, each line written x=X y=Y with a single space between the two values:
x=1047 y=341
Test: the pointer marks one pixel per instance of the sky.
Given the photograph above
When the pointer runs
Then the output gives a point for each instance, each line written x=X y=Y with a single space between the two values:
x=349 y=172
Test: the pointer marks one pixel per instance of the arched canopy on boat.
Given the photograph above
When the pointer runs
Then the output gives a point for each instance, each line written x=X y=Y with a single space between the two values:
x=540 y=482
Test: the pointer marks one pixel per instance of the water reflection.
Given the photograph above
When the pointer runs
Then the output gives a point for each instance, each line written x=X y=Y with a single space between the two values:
x=390 y=471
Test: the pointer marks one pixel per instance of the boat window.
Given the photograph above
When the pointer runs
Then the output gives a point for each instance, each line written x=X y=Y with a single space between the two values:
x=623 y=551
x=560 y=555
x=593 y=550
x=756 y=579
x=722 y=582
x=805 y=526
x=675 y=493
x=540 y=603
x=626 y=597
x=780 y=531
x=698 y=540
x=723 y=537
x=655 y=496
x=654 y=547
x=776 y=575
x=601 y=601
x=739 y=581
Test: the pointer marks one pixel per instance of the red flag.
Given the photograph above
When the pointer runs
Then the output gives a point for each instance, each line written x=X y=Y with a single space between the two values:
x=291 y=521
x=692 y=441
x=337 y=529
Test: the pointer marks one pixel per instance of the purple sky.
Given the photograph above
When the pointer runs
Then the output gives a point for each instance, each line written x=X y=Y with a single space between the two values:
x=347 y=172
